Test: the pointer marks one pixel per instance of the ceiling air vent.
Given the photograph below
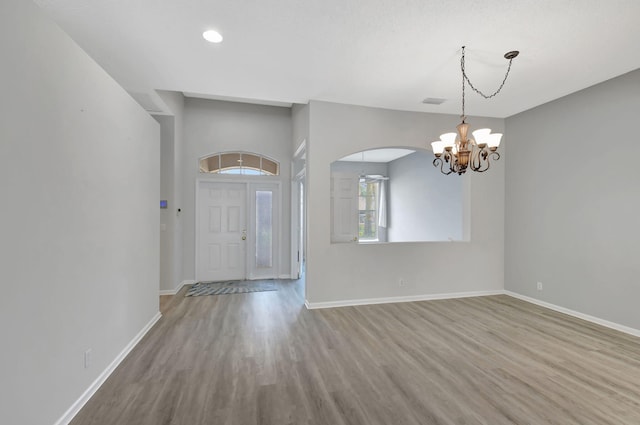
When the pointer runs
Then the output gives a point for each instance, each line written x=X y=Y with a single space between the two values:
x=434 y=101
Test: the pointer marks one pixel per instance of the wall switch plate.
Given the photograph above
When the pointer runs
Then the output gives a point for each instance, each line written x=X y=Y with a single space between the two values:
x=539 y=286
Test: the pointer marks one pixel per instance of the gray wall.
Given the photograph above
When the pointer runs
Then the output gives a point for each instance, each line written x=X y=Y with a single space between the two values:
x=79 y=177
x=214 y=126
x=572 y=201
x=358 y=168
x=424 y=204
x=339 y=272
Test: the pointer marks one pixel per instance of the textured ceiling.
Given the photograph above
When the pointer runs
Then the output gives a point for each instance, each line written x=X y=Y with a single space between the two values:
x=382 y=53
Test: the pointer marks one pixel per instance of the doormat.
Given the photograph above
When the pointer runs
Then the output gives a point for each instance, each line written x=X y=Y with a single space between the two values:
x=229 y=287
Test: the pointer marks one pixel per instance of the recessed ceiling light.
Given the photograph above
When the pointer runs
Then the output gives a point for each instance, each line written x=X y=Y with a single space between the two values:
x=212 y=36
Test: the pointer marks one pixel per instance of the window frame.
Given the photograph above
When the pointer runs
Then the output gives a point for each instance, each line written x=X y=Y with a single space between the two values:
x=266 y=166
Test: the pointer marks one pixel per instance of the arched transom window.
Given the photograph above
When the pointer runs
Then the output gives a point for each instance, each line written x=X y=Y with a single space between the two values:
x=239 y=163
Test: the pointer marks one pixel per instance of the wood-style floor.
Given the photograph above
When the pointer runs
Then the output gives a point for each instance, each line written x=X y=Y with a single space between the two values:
x=262 y=358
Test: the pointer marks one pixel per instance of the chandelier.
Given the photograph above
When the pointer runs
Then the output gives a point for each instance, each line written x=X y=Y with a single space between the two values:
x=456 y=152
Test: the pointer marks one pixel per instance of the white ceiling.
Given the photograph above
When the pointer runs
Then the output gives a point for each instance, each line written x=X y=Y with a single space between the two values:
x=382 y=53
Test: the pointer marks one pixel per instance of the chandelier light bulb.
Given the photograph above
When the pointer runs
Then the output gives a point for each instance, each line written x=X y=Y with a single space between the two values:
x=449 y=139
x=438 y=147
x=494 y=140
x=481 y=135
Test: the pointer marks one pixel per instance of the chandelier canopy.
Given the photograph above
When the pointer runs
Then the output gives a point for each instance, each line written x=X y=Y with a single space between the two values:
x=456 y=152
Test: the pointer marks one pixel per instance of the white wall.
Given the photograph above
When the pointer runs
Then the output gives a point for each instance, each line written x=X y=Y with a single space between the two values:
x=300 y=124
x=572 y=201
x=424 y=204
x=355 y=271
x=79 y=178
x=171 y=181
x=300 y=130
x=214 y=126
x=167 y=216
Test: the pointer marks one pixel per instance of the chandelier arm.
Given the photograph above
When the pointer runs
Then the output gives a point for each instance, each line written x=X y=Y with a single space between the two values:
x=453 y=163
x=484 y=158
x=438 y=162
x=495 y=155
x=465 y=77
x=454 y=166
x=476 y=159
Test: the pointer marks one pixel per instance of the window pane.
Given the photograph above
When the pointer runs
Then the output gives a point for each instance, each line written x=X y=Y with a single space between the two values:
x=204 y=166
x=368 y=210
x=239 y=163
x=214 y=164
x=230 y=160
x=251 y=172
x=270 y=167
x=210 y=164
x=264 y=228
x=251 y=162
x=231 y=171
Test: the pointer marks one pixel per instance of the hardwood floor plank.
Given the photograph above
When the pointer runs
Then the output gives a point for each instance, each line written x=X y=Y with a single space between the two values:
x=264 y=359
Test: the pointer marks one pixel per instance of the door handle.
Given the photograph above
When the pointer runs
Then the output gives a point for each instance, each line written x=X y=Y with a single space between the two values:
x=244 y=235
x=355 y=239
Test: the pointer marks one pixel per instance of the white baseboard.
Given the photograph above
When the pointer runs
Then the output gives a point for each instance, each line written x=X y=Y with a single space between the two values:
x=411 y=298
x=177 y=289
x=284 y=276
x=75 y=407
x=402 y=299
x=588 y=318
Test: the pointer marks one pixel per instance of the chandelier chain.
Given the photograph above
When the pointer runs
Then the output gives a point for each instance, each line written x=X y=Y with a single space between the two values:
x=466 y=78
x=463 y=84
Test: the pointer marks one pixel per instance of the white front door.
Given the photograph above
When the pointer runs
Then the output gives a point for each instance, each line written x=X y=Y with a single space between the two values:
x=222 y=231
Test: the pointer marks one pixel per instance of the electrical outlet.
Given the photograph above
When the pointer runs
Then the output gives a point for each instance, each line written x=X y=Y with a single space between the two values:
x=401 y=282
x=87 y=358
x=539 y=286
